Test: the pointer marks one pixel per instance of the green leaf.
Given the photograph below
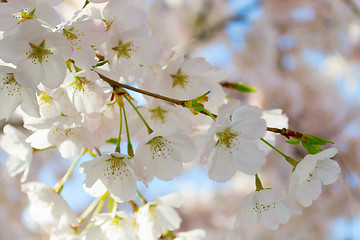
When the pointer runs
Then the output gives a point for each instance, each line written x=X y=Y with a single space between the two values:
x=311 y=149
x=313 y=140
x=99 y=64
x=241 y=87
x=293 y=141
x=112 y=140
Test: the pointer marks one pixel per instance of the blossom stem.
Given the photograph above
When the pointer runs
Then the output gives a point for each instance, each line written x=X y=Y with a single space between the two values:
x=129 y=146
x=210 y=114
x=87 y=212
x=287 y=158
x=85 y=4
x=58 y=187
x=258 y=183
x=110 y=204
x=97 y=211
x=141 y=197
x=117 y=149
x=142 y=118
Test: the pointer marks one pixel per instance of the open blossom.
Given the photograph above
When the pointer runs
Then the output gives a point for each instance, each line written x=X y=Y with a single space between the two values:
x=48 y=208
x=112 y=226
x=122 y=12
x=14 y=95
x=111 y=172
x=83 y=33
x=85 y=92
x=15 y=12
x=67 y=134
x=54 y=103
x=306 y=179
x=131 y=51
x=265 y=206
x=20 y=152
x=38 y=54
x=163 y=153
x=158 y=216
x=233 y=143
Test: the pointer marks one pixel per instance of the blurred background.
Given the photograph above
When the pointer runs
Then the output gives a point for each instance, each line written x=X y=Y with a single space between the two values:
x=302 y=56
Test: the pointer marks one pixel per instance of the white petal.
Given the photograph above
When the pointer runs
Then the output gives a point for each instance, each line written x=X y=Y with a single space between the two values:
x=69 y=149
x=173 y=200
x=327 y=171
x=29 y=73
x=247 y=121
x=222 y=168
x=29 y=104
x=148 y=52
x=304 y=168
x=168 y=218
x=246 y=216
x=247 y=157
x=307 y=192
x=122 y=190
x=54 y=71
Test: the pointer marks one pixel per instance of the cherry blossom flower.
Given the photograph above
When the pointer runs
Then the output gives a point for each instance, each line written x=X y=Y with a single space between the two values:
x=55 y=102
x=111 y=172
x=15 y=94
x=112 y=226
x=48 y=208
x=125 y=15
x=85 y=92
x=233 y=144
x=131 y=51
x=13 y=13
x=83 y=33
x=20 y=152
x=309 y=173
x=38 y=53
x=158 y=216
x=265 y=206
x=67 y=134
x=163 y=153
x=189 y=78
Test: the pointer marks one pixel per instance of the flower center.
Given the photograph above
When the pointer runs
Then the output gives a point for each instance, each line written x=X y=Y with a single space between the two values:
x=158 y=144
x=158 y=114
x=63 y=132
x=9 y=84
x=108 y=23
x=24 y=15
x=124 y=49
x=116 y=168
x=74 y=36
x=263 y=208
x=44 y=98
x=180 y=79
x=225 y=138
x=38 y=52
x=79 y=83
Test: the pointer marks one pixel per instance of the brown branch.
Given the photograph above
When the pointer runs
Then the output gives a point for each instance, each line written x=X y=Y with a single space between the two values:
x=115 y=84
x=286 y=132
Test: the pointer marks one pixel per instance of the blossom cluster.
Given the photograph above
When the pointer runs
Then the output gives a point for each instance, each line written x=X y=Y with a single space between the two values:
x=68 y=81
